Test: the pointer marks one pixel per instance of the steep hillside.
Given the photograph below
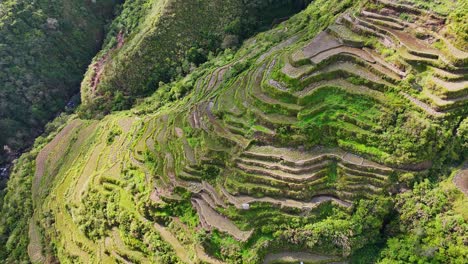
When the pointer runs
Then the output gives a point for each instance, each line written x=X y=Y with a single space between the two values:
x=336 y=136
x=44 y=50
x=156 y=41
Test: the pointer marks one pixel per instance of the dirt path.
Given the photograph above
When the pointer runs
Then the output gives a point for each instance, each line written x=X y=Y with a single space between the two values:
x=35 y=245
x=297 y=257
x=214 y=219
x=461 y=179
x=180 y=251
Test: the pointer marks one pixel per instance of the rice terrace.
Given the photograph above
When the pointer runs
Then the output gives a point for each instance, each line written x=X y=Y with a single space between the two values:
x=229 y=131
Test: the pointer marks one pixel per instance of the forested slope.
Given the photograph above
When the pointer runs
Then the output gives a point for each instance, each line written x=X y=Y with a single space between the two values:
x=340 y=135
x=44 y=48
x=156 y=41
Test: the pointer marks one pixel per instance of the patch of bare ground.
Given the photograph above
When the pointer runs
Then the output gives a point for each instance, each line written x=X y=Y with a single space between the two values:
x=451 y=86
x=43 y=155
x=461 y=179
x=98 y=67
x=425 y=107
x=319 y=57
x=322 y=42
x=239 y=200
x=296 y=157
x=300 y=257
x=214 y=220
x=180 y=251
x=35 y=244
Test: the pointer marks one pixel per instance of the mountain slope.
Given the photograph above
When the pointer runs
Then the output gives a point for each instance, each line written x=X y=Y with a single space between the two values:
x=44 y=49
x=324 y=138
x=157 y=41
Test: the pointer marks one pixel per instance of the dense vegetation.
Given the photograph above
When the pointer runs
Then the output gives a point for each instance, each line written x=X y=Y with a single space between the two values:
x=338 y=135
x=44 y=50
x=165 y=40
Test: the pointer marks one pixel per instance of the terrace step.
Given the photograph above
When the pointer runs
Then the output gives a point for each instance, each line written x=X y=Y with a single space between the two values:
x=304 y=176
x=441 y=103
x=454 y=52
x=188 y=177
x=451 y=86
x=357 y=187
x=351 y=178
x=253 y=178
x=297 y=158
x=346 y=69
x=220 y=130
x=425 y=107
x=410 y=7
x=273 y=119
x=411 y=43
x=319 y=57
x=236 y=130
x=385 y=23
x=284 y=167
x=323 y=41
x=261 y=190
x=295 y=72
x=386 y=64
x=278 y=85
x=239 y=200
x=214 y=195
x=214 y=220
x=448 y=75
x=291 y=109
x=278 y=47
x=347 y=36
x=382 y=17
x=308 y=92
x=359 y=173
x=412 y=58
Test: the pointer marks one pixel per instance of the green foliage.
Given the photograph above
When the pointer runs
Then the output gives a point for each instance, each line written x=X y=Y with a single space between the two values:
x=186 y=33
x=97 y=213
x=343 y=234
x=431 y=232
x=116 y=131
x=44 y=50
x=458 y=17
x=16 y=210
x=210 y=172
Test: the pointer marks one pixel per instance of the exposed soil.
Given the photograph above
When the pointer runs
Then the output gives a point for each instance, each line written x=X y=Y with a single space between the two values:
x=42 y=157
x=214 y=219
x=297 y=257
x=98 y=67
x=461 y=179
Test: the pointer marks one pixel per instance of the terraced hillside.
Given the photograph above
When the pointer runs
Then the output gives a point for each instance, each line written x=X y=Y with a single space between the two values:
x=322 y=140
x=155 y=41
